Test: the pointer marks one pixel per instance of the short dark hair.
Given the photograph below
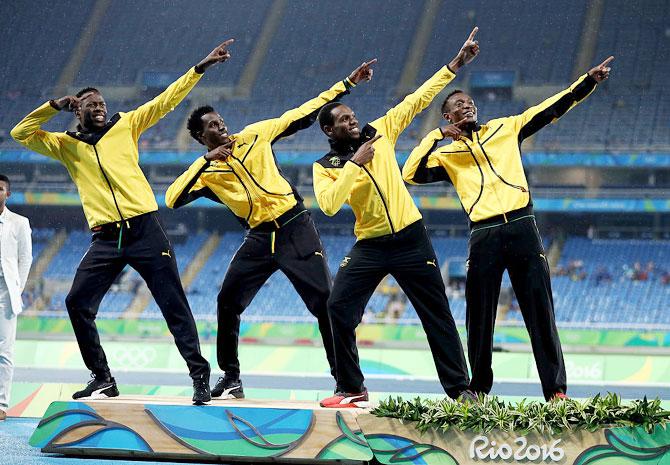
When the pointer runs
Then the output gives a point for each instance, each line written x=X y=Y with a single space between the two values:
x=326 y=114
x=194 y=123
x=86 y=90
x=444 y=104
x=6 y=179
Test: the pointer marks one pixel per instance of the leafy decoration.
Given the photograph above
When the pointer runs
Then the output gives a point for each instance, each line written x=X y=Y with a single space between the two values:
x=490 y=412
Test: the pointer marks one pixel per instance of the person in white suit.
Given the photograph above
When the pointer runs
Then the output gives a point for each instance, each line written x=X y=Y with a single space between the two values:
x=15 y=259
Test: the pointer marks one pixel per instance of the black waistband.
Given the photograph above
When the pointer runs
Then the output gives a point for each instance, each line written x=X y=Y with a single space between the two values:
x=283 y=219
x=115 y=226
x=407 y=231
x=502 y=219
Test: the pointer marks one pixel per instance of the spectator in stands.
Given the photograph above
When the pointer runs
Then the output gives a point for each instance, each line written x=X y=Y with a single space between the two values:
x=241 y=172
x=576 y=270
x=15 y=260
x=484 y=164
x=651 y=270
x=602 y=275
x=102 y=159
x=361 y=170
x=637 y=273
x=396 y=306
x=665 y=277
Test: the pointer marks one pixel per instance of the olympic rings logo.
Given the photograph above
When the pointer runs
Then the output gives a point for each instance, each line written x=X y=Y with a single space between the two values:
x=133 y=357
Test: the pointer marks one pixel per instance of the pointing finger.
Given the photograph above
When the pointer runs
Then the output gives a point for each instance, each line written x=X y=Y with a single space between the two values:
x=472 y=34
x=458 y=123
x=606 y=62
x=374 y=139
x=371 y=62
x=227 y=43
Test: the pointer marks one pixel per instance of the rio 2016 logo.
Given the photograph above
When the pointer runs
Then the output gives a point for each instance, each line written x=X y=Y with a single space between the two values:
x=483 y=449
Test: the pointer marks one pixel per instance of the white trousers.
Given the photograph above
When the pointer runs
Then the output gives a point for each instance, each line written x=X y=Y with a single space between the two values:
x=7 y=341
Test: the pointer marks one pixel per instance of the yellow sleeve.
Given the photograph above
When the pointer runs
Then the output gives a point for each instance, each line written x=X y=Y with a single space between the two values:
x=299 y=118
x=29 y=133
x=399 y=117
x=331 y=193
x=423 y=165
x=535 y=118
x=187 y=187
x=148 y=114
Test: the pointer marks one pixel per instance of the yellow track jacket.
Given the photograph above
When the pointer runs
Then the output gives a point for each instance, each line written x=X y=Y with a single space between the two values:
x=486 y=171
x=250 y=183
x=376 y=192
x=104 y=165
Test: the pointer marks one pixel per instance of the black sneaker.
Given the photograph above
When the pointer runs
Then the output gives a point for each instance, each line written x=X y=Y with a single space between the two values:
x=98 y=388
x=227 y=388
x=201 y=394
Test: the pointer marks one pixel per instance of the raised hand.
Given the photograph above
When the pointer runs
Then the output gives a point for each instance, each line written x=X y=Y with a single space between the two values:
x=602 y=71
x=363 y=72
x=453 y=130
x=218 y=55
x=67 y=103
x=366 y=152
x=221 y=153
x=467 y=53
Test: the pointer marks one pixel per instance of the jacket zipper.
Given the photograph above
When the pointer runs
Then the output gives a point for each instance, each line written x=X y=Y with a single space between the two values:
x=481 y=185
x=246 y=191
x=256 y=182
x=388 y=215
x=521 y=188
x=116 y=204
x=108 y=183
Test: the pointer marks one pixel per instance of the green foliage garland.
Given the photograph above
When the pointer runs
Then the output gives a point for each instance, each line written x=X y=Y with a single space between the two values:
x=489 y=413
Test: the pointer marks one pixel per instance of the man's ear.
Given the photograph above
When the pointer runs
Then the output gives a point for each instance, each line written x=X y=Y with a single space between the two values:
x=328 y=130
x=446 y=116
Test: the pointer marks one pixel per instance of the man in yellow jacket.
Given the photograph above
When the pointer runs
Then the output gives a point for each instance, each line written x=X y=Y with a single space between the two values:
x=241 y=172
x=361 y=170
x=484 y=164
x=102 y=159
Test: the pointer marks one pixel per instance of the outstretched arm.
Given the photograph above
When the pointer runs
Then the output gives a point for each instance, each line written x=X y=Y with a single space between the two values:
x=305 y=115
x=399 y=117
x=148 y=114
x=537 y=117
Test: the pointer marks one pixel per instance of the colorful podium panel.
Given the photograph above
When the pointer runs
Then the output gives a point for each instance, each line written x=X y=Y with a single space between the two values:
x=238 y=430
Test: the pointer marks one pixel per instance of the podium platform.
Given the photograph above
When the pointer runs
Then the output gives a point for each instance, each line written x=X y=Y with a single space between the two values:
x=301 y=432
x=232 y=430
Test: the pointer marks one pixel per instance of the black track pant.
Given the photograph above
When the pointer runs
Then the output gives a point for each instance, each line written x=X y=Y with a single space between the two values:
x=517 y=247
x=145 y=247
x=296 y=250
x=409 y=257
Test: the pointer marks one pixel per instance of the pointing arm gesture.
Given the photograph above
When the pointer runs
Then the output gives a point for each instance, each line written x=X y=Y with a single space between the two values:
x=602 y=71
x=218 y=55
x=467 y=53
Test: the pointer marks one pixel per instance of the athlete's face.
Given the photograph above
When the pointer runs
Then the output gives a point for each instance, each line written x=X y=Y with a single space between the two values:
x=92 y=111
x=345 y=125
x=214 y=131
x=461 y=106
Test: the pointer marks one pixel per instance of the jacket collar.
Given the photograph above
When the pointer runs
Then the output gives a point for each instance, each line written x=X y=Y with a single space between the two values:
x=348 y=148
x=94 y=137
x=342 y=147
